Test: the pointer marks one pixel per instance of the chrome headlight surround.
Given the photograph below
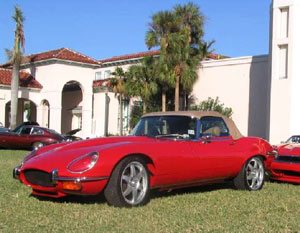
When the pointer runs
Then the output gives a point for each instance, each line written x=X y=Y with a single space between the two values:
x=93 y=156
x=274 y=152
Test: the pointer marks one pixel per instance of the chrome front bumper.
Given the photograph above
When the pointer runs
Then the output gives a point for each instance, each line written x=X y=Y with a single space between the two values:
x=16 y=172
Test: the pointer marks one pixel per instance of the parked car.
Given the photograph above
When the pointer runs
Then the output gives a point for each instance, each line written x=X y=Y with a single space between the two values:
x=166 y=151
x=4 y=130
x=286 y=167
x=29 y=137
x=18 y=128
x=70 y=136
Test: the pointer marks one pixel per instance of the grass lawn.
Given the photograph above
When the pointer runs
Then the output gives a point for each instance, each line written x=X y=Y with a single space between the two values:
x=214 y=208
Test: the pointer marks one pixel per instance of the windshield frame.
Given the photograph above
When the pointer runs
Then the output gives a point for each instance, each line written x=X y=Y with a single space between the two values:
x=172 y=136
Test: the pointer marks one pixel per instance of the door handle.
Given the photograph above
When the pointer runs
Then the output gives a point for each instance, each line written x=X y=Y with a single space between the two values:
x=206 y=141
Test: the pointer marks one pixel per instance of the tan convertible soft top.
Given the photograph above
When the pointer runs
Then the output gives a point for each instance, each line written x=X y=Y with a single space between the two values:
x=234 y=132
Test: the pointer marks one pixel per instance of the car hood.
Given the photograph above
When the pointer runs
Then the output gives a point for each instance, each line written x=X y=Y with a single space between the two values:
x=289 y=149
x=72 y=132
x=60 y=155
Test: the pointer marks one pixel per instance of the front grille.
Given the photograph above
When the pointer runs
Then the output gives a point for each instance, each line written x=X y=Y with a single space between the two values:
x=288 y=159
x=288 y=173
x=39 y=178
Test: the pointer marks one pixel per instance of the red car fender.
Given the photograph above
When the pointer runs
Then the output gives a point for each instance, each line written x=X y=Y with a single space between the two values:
x=254 y=146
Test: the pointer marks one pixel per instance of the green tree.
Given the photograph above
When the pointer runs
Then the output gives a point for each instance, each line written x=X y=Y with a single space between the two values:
x=141 y=80
x=179 y=34
x=213 y=105
x=18 y=50
x=163 y=24
x=117 y=83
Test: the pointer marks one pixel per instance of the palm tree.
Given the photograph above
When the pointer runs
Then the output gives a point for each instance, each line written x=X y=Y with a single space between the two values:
x=205 y=48
x=163 y=24
x=179 y=34
x=141 y=80
x=186 y=47
x=17 y=53
x=118 y=84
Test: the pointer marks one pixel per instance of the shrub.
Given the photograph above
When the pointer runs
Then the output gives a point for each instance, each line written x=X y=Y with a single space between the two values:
x=213 y=105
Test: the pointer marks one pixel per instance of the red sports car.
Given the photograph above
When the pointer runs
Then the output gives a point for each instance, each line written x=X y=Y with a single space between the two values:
x=286 y=167
x=29 y=137
x=166 y=151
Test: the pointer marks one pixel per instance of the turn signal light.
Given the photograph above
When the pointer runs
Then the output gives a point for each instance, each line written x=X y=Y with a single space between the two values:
x=72 y=186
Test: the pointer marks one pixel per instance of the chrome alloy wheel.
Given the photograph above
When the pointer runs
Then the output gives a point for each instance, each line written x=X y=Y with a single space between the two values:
x=134 y=183
x=255 y=173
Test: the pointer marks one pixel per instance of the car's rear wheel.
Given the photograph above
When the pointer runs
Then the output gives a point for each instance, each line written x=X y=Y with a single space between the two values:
x=37 y=145
x=129 y=184
x=252 y=175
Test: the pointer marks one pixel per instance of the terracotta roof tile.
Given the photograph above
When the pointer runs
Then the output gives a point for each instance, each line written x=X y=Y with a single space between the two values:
x=130 y=56
x=149 y=53
x=63 y=54
x=26 y=80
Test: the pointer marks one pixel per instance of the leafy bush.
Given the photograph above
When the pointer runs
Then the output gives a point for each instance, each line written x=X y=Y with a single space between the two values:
x=213 y=105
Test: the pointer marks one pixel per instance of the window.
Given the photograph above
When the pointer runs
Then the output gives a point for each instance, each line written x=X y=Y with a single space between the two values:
x=106 y=74
x=283 y=61
x=284 y=23
x=37 y=131
x=98 y=75
x=25 y=130
x=214 y=126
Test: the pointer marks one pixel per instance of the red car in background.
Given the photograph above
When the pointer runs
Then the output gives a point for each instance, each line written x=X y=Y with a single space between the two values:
x=29 y=137
x=286 y=167
x=166 y=150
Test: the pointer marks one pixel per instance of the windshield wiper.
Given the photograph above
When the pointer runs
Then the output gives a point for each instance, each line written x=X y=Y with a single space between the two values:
x=176 y=135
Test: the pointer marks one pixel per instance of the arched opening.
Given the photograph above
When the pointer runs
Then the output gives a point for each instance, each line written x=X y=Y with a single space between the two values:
x=71 y=114
x=45 y=107
x=26 y=111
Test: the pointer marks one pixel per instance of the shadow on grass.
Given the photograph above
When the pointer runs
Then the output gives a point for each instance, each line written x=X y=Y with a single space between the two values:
x=76 y=199
x=100 y=199
x=191 y=190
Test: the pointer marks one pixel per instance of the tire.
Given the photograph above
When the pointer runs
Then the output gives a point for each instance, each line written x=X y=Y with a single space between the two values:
x=129 y=184
x=252 y=175
x=37 y=145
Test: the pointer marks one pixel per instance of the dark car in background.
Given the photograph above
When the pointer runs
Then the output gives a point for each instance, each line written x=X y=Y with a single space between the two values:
x=29 y=137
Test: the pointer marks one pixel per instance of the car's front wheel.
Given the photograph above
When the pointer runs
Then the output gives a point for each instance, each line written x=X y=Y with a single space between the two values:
x=129 y=184
x=37 y=145
x=252 y=175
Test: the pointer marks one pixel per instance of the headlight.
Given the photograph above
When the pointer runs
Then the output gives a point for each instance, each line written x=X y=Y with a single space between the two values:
x=83 y=163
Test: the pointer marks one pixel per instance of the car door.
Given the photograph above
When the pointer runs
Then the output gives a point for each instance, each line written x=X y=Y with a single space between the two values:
x=215 y=152
x=36 y=135
x=22 y=141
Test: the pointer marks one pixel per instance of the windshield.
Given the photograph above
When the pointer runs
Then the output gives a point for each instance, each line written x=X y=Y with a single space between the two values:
x=293 y=139
x=166 y=126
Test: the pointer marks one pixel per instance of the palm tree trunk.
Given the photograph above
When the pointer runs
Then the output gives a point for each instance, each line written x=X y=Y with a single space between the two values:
x=121 y=115
x=163 y=100
x=144 y=107
x=177 y=93
x=186 y=101
x=14 y=95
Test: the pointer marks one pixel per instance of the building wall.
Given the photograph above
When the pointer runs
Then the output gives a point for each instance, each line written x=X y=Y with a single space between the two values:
x=285 y=72
x=99 y=113
x=240 y=83
x=25 y=93
x=53 y=77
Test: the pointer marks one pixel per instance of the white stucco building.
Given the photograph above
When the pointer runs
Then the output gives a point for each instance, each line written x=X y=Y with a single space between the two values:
x=67 y=90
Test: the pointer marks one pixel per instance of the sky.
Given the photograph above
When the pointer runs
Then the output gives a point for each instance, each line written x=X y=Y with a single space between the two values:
x=104 y=28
